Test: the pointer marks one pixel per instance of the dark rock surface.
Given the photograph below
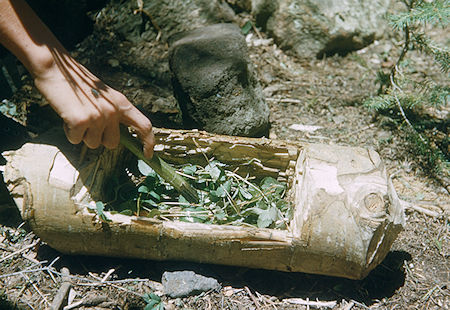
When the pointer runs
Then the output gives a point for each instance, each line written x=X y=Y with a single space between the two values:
x=215 y=84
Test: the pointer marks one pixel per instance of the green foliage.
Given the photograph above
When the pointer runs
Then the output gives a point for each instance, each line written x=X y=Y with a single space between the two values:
x=422 y=12
x=225 y=198
x=426 y=94
x=403 y=97
x=440 y=54
x=8 y=108
x=430 y=156
x=153 y=301
x=246 y=28
x=99 y=208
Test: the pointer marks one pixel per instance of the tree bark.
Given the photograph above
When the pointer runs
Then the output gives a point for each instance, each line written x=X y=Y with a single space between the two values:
x=346 y=211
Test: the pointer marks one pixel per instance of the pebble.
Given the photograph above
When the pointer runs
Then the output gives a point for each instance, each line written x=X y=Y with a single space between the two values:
x=187 y=283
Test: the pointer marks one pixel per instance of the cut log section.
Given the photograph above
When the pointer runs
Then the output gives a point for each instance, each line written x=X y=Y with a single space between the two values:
x=346 y=211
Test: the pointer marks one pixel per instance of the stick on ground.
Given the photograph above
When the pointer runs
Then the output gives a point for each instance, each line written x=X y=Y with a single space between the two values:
x=63 y=292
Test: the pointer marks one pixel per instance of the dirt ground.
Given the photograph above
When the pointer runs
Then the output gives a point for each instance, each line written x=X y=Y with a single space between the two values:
x=326 y=93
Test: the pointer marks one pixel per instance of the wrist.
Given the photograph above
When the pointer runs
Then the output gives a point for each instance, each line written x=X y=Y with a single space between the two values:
x=41 y=62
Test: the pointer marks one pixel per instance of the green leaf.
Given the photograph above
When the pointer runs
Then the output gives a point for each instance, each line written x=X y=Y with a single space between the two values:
x=183 y=200
x=220 y=215
x=189 y=170
x=160 y=306
x=246 y=28
x=214 y=197
x=126 y=212
x=223 y=189
x=150 y=306
x=155 y=297
x=149 y=202
x=249 y=211
x=144 y=168
x=147 y=298
x=155 y=195
x=194 y=217
x=260 y=204
x=153 y=302
x=245 y=193
x=267 y=217
x=271 y=184
x=100 y=207
x=143 y=189
x=154 y=213
x=282 y=205
x=151 y=180
x=213 y=171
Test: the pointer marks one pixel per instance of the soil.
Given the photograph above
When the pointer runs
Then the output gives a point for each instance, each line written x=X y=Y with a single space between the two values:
x=327 y=93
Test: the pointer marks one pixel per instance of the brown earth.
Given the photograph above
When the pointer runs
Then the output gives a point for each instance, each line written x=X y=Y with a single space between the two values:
x=327 y=93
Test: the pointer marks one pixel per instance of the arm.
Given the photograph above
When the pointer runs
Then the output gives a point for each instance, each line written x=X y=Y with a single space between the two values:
x=91 y=110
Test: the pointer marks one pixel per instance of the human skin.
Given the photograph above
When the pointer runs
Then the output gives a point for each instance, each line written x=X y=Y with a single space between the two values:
x=90 y=109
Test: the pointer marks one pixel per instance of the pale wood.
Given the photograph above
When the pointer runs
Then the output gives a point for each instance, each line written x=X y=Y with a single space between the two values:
x=346 y=212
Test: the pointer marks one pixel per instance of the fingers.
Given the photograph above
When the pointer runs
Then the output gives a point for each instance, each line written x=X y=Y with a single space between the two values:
x=90 y=109
x=111 y=136
x=132 y=117
x=74 y=134
x=144 y=130
x=100 y=126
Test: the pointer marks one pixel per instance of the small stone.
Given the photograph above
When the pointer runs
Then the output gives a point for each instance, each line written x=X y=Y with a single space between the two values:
x=186 y=283
x=113 y=62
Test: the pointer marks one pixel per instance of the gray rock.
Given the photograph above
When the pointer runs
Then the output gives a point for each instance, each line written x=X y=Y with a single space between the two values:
x=215 y=84
x=186 y=283
x=171 y=16
x=314 y=28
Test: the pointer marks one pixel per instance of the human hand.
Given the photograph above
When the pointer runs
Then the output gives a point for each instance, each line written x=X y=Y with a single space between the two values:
x=90 y=109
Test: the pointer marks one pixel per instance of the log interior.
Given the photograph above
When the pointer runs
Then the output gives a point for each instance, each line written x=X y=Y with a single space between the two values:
x=253 y=157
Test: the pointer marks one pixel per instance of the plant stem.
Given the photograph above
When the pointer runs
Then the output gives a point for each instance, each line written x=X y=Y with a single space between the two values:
x=166 y=171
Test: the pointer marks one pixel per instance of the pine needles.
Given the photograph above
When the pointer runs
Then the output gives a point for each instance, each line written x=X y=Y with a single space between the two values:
x=406 y=98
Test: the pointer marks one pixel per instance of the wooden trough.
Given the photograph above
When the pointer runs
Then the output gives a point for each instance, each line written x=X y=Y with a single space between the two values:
x=346 y=211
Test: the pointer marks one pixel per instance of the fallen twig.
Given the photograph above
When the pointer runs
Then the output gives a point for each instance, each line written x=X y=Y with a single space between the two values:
x=19 y=251
x=255 y=301
x=308 y=303
x=108 y=275
x=285 y=100
x=36 y=289
x=87 y=301
x=426 y=211
x=348 y=306
x=63 y=291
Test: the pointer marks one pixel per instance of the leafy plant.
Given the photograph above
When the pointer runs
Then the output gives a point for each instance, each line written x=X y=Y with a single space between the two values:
x=401 y=96
x=153 y=301
x=225 y=198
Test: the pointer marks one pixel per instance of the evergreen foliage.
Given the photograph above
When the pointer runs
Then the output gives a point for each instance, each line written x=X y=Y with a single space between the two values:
x=405 y=98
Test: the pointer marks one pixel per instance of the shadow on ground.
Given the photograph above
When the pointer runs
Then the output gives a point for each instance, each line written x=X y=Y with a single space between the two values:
x=380 y=283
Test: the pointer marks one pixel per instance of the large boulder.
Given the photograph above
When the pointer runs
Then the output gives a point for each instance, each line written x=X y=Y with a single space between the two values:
x=215 y=84
x=322 y=27
x=171 y=16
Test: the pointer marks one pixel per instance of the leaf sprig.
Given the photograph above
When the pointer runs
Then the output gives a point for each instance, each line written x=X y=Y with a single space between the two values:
x=225 y=198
